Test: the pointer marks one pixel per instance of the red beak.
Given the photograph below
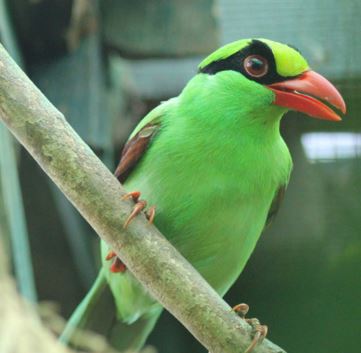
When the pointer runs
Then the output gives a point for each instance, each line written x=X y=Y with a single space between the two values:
x=305 y=93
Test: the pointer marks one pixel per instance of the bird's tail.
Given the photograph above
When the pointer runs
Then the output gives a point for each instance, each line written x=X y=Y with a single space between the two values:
x=97 y=313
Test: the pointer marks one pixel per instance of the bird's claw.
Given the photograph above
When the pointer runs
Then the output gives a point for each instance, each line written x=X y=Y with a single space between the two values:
x=259 y=331
x=110 y=255
x=138 y=208
x=117 y=265
x=150 y=214
x=241 y=310
x=134 y=195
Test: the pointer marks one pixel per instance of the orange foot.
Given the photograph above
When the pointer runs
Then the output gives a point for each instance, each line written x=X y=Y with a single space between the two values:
x=138 y=207
x=259 y=331
x=117 y=265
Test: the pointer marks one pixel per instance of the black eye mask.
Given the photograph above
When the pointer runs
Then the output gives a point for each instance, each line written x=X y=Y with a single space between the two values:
x=235 y=63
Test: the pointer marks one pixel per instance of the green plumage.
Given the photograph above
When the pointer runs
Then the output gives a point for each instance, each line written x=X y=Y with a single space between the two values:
x=212 y=169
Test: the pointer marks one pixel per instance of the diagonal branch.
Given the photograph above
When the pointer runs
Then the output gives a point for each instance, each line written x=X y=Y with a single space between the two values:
x=93 y=190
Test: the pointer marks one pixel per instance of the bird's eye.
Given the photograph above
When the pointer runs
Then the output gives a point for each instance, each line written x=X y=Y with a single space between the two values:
x=256 y=65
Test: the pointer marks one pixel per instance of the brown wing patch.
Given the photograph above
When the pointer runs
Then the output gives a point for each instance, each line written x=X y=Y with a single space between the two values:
x=134 y=150
x=275 y=205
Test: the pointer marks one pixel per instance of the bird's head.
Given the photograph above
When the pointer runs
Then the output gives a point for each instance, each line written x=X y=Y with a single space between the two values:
x=282 y=72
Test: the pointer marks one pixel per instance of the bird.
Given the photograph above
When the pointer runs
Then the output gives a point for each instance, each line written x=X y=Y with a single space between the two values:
x=213 y=163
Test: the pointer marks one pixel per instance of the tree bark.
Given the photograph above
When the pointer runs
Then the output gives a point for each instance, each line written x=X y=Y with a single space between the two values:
x=96 y=193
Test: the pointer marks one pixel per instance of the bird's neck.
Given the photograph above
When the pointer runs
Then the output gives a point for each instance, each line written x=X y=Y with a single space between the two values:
x=223 y=105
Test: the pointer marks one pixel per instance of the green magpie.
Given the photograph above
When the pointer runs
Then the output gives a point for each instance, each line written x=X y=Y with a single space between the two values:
x=213 y=162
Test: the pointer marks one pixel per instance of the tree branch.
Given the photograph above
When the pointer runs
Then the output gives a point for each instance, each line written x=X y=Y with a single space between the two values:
x=94 y=191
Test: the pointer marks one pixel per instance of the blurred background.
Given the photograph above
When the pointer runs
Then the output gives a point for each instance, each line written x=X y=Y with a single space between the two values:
x=105 y=64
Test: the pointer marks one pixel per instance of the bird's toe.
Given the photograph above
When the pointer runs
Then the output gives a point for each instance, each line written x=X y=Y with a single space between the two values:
x=259 y=332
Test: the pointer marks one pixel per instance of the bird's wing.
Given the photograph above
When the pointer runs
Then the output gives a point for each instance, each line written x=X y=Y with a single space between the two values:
x=140 y=140
x=134 y=150
x=275 y=205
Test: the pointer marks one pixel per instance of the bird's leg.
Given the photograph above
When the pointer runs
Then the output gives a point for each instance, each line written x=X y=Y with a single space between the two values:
x=138 y=207
x=117 y=265
x=259 y=331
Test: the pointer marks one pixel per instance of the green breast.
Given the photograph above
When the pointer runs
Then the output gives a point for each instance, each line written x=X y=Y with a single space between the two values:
x=212 y=190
